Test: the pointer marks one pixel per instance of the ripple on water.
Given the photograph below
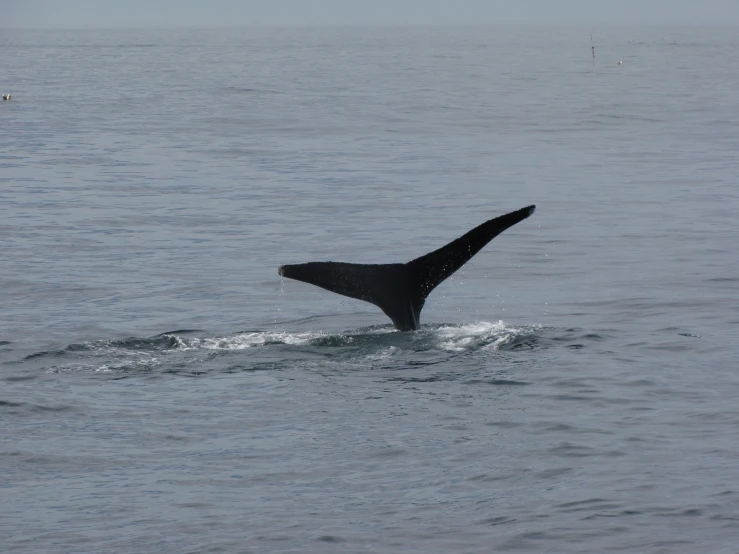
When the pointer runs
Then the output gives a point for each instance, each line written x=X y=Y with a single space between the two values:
x=365 y=348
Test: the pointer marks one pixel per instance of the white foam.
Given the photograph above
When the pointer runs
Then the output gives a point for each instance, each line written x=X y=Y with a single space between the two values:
x=481 y=334
x=246 y=340
x=382 y=355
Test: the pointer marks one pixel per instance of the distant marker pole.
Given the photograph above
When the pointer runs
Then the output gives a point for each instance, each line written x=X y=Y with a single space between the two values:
x=592 y=48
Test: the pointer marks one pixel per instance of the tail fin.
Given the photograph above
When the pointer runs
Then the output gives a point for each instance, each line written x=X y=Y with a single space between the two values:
x=400 y=290
x=436 y=266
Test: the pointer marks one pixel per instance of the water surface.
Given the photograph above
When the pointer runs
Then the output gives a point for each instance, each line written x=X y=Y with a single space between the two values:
x=572 y=389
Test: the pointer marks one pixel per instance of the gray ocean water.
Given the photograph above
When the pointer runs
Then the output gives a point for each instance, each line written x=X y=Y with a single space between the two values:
x=573 y=388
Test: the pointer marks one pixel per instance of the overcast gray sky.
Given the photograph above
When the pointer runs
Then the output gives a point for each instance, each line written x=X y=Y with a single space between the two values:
x=237 y=13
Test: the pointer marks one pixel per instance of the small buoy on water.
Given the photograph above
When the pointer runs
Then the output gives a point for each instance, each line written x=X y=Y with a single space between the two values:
x=6 y=97
x=619 y=63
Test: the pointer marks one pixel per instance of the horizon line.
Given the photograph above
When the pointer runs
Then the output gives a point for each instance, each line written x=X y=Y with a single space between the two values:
x=365 y=25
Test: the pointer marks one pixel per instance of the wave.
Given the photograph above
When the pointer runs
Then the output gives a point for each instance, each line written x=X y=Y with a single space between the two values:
x=196 y=352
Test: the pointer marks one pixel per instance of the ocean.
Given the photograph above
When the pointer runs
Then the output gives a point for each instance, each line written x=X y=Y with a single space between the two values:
x=572 y=389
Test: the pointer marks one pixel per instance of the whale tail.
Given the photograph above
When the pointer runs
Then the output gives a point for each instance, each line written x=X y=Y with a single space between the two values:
x=400 y=290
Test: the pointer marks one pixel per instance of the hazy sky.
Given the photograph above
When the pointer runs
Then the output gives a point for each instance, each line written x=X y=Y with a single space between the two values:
x=237 y=13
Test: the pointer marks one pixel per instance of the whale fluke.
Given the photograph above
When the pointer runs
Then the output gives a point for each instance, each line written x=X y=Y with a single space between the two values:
x=400 y=290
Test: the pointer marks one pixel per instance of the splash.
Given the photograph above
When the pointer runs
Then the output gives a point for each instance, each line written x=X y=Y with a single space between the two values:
x=243 y=341
x=473 y=336
x=364 y=348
